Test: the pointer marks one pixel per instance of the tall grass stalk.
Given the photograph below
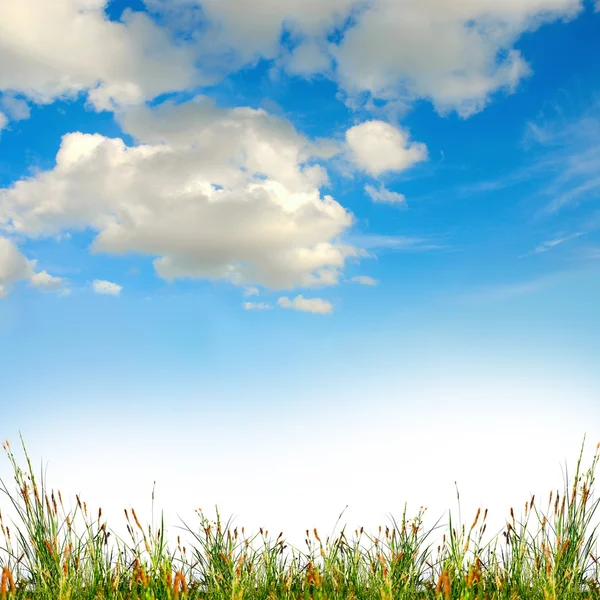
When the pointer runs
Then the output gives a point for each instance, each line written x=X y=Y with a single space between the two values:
x=47 y=560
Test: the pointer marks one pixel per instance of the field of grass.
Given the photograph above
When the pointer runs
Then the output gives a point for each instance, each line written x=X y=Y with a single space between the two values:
x=46 y=559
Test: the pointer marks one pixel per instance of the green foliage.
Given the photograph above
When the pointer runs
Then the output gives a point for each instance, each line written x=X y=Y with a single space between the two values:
x=47 y=560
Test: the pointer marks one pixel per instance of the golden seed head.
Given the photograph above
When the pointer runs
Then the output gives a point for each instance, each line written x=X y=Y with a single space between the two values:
x=136 y=519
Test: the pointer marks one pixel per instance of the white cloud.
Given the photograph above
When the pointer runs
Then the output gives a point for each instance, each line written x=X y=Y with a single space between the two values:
x=15 y=107
x=506 y=291
x=376 y=147
x=251 y=291
x=313 y=305
x=456 y=54
x=214 y=193
x=364 y=280
x=253 y=30
x=573 y=160
x=393 y=242
x=15 y=267
x=3 y=121
x=597 y=5
x=545 y=246
x=566 y=162
x=306 y=59
x=58 y=49
x=107 y=288
x=256 y=306
x=384 y=195
x=44 y=281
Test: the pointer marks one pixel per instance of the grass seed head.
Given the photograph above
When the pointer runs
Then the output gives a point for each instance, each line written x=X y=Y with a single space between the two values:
x=443 y=585
x=7 y=583
x=136 y=520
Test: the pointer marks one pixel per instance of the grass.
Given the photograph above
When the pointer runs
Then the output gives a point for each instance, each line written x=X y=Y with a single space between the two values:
x=47 y=560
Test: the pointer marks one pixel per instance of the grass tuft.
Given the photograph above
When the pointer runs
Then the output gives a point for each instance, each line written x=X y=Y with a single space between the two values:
x=47 y=560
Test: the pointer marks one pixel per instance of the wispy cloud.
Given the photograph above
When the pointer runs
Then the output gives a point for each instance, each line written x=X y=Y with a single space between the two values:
x=394 y=242
x=549 y=245
x=493 y=185
x=573 y=153
x=364 y=280
x=509 y=290
x=565 y=162
x=589 y=253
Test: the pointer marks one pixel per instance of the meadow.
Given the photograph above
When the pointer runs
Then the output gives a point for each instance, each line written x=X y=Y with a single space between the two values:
x=546 y=554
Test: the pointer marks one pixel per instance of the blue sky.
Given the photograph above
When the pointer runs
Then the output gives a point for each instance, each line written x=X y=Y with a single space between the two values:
x=229 y=225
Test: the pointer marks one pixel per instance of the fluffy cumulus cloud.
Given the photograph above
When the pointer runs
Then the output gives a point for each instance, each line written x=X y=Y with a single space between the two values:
x=376 y=147
x=61 y=48
x=306 y=59
x=213 y=193
x=384 y=195
x=456 y=54
x=313 y=305
x=15 y=267
x=3 y=121
x=44 y=281
x=246 y=31
x=106 y=288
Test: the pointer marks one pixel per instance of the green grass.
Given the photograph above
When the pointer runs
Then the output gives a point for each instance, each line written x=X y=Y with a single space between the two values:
x=46 y=559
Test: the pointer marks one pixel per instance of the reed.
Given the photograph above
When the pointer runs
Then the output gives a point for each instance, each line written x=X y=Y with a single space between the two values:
x=48 y=560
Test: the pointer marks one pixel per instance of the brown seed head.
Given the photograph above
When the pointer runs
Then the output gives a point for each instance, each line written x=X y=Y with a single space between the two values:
x=7 y=583
x=136 y=519
x=443 y=585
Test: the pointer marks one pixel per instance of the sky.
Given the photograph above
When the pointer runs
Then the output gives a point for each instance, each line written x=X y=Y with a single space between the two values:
x=286 y=256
